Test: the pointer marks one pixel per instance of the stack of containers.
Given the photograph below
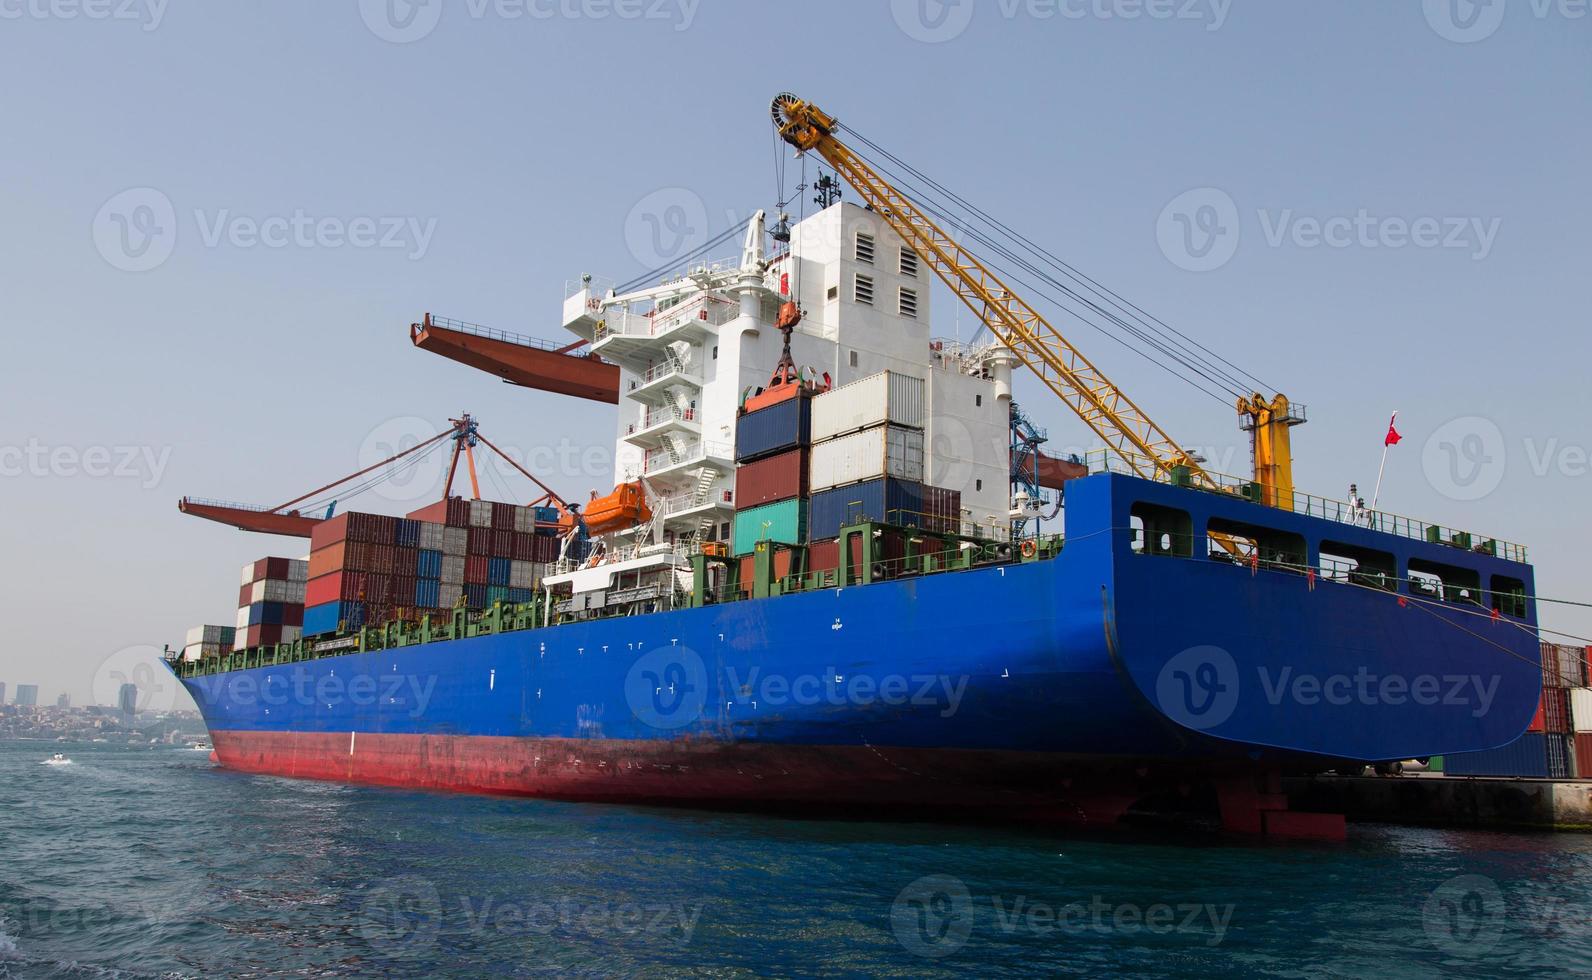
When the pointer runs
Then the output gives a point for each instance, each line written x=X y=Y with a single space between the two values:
x=868 y=457
x=270 y=602
x=367 y=569
x=1576 y=663
x=771 y=474
x=204 y=642
x=1551 y=747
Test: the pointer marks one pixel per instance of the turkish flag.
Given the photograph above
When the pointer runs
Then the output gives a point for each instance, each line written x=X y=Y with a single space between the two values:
x=1393 y=436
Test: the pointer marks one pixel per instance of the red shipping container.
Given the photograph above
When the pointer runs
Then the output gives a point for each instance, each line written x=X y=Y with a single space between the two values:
x=480 y=542
x=329 y=559
x=275 y=569
x=475 y=570
x=503 y=516
x=245 y=595
x=1583 y=755
x=251 y=637
x=338 y=586
x=1550 y=666
x=361 y=555
x=824 y=556
x=329 y=532
x=545 y=548
x=436 y=513
x=771 y=480
x=403 y=590
x=524 y=546
x=1556 y=711
x=1539 y=719
x=502 y=543
x=268 y=636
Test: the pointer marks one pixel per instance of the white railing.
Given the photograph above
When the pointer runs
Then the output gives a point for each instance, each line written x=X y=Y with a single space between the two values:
x=659 y=459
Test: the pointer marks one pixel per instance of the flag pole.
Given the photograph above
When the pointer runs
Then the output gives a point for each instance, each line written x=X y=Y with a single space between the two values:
x=1386 y=444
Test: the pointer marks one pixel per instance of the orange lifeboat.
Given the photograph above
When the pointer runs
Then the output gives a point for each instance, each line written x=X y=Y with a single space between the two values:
x=625 y=507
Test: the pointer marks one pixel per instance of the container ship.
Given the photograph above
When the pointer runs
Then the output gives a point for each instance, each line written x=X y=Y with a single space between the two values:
x=839 y=573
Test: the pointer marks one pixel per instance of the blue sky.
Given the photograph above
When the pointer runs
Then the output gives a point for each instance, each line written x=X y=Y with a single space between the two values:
x=1391 y=198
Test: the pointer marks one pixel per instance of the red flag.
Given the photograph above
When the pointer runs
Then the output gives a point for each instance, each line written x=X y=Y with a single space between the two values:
x=1393 y=436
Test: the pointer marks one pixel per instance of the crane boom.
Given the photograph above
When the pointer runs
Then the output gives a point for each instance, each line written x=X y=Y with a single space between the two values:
x=1103 y=407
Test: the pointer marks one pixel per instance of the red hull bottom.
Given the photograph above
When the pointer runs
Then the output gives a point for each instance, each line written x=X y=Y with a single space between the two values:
x=698 y=773
x=1027 y=787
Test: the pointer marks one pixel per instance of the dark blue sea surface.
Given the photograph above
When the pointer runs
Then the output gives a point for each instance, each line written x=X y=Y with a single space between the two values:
x=153 y=862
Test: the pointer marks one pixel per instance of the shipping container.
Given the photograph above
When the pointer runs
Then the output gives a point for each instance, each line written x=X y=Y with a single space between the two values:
x=481 y=513
x=882 y=398
x=1556 y=711
x=524 y=574
x=450 y=594
x=480 y=541
x=433 y=513
x=430 y=536
x=407 y=534
x=1572 y=665
x=496 y=594
x=428 y=593
x=475 y=569
x=824 y=556
x=521 y=595
x=524 y=520
x=773 y=430
x=453 y=569
x=502 y=544
x=942 y=510
x=1534 y=754
x=872 y=454
x=889 y=501
x=328 y=559
x=329 y=531
x=456 y=541
x=785 y=522
x=1581 y=709
x=210 y=635
x=503 y=517
x=428 y=564
x=333 y=617
x=524 y=548
x=497 y=571
x=1583 y=755
x=475 y=595
x=771 y=479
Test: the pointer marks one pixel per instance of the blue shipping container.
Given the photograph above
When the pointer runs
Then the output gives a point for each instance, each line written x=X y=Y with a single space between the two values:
x=266 y=614
x=547 y=515
x=429 y=564
x=475 y=596
x=1534 y=754
x=890 y=501
x=497 y=593
x=774 y=429
x=325 y=618
x=521 y=595
x=428 y=593
x=408 y=535
x=497 y=571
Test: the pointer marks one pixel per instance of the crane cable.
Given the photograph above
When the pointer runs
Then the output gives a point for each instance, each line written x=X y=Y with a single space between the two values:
x=1169 y=336
x=686 y=259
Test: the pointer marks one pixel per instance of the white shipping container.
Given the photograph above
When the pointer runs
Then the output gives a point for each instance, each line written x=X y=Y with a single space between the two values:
x=242 y=640
x=243 y=623
x=452 y=570
x=247 y=577
x=525 y=520
x=449 y=594
x=210 y=634
x=524 y=574
x=195 y=652
x=1581 y=708
x=291 y=633
x=884 y=450
x=431 y=536
x=298 y=570
x=480 y=513
x=885 y=397
x=455 y=541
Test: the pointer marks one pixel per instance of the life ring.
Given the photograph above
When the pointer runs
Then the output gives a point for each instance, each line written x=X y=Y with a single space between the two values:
x=1029 y=548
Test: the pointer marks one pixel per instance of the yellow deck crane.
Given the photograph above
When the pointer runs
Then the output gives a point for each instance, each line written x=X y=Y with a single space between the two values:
x=1104 y=408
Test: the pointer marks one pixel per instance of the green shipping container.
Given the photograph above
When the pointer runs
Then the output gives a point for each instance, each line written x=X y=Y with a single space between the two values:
x=786 y=523
x=1435 y=764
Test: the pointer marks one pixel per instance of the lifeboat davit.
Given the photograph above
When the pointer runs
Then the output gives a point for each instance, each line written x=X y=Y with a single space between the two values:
x=625 y=507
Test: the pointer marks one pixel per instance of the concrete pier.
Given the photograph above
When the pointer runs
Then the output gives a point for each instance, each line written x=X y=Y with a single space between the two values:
x=1434 y=800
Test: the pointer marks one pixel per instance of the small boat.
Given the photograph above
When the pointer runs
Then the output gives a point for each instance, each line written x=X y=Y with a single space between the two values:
x=203 y=745
x=57 y=760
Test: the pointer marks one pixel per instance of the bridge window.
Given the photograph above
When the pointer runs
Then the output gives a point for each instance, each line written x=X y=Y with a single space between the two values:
x=1509 y=597
x=909 y=263
x=1359 y=566
x=909 y=303
x=1235 y=541
x=1449 y=583
x=1161 y=531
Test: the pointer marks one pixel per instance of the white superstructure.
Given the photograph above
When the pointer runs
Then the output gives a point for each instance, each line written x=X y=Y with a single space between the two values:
x=689 y=347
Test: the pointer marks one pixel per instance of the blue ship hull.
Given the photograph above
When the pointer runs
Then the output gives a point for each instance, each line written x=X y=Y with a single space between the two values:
x=1058 y=684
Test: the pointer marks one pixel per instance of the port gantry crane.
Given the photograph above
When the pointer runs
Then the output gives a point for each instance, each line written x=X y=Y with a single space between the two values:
x=1114 y=417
